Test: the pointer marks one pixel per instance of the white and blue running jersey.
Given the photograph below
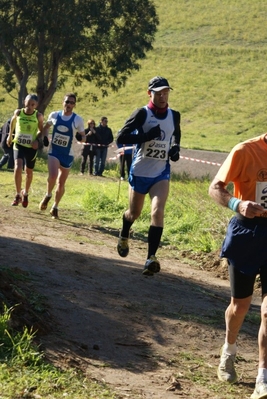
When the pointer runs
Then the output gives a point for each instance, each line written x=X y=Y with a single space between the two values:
x=151 y=158
x=64 y=129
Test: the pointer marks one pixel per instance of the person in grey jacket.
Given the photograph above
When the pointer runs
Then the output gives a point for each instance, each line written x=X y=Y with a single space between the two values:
x=104 y=138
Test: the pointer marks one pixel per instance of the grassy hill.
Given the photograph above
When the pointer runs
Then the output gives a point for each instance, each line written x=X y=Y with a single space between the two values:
x=214 y=56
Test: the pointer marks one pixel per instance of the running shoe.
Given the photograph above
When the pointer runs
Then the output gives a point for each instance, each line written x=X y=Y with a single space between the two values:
x=151 y=266
x=260 y=391
x=44 y=202
x=123 y=247
x=17 y=200
x=24 y=200
x=226 y=369
x=54 y=213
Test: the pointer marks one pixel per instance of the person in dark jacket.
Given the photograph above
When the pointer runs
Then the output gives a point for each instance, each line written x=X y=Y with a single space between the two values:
x=88 y=148
x=125 y=160
x=126 y=155
x=7 y=157
x=104 y=138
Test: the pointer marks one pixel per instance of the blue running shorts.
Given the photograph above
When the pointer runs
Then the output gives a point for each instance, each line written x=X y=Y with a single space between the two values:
x=245 y=244
x=65 y=161
x=142 y=185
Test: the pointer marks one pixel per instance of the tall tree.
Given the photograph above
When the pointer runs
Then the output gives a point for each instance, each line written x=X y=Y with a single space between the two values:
x=45 y=41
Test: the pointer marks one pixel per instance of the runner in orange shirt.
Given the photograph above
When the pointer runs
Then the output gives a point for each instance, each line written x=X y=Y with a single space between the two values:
x=245 y=248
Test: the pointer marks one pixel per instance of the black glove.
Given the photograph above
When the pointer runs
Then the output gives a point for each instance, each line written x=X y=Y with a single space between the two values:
x=174 y=153
x=45 y=141
x=152 y=134
x=78 y=137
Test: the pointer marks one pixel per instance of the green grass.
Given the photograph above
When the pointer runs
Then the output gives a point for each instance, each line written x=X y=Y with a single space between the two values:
x=213 y=54
x=193 y=221
x=25 y=374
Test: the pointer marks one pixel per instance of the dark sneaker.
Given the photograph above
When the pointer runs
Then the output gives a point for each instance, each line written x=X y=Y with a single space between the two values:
x=17 y=200
x=151 y=266
x=260 y=391
x=24 y=200
x=54 y=213
x=44 y=202
x=123 y=247
x=226 y=370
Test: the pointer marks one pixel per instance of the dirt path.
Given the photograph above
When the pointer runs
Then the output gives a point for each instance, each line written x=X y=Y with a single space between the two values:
x=134 y=332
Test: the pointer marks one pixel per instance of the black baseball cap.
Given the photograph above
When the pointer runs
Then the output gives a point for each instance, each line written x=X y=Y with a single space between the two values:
x=158 y=83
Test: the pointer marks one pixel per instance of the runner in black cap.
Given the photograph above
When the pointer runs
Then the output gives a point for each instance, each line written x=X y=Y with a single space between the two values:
x=157 y=141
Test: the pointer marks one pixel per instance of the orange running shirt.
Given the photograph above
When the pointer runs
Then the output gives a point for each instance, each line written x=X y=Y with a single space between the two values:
x=246 y=168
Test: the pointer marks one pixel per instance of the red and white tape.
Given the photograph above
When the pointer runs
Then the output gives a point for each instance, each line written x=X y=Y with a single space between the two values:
x=181 y=157
x=122 y=149
x=201 y=161
x=96 y=145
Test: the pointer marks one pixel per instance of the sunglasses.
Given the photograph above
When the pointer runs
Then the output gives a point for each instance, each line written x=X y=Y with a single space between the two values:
x=69 y=102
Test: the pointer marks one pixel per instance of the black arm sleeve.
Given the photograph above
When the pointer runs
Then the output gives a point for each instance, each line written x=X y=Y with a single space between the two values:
x=177 y=129
x=135 y=121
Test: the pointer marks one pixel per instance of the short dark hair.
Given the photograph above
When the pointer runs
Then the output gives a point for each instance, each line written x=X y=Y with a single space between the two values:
x=103 y=118
x=70 y=95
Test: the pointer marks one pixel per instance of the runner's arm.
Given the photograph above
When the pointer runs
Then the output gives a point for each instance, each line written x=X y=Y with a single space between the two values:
x=218 y=191
x=79 y=127
x=134 y=122
x=40 y=125
x=249 y=209
x=46 y=128
x=177 y=128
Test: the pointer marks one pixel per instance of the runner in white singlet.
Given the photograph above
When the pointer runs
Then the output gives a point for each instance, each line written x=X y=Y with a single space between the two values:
x=60 y=154
x=157 y=141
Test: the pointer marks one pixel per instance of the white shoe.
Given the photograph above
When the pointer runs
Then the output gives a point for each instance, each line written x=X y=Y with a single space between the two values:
x=226 y=369
x=260 y=391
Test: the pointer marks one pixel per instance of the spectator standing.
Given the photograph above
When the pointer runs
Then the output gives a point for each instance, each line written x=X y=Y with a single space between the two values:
x=60 y=154
x=126 y=156
x=125 y=160
x=7 y=157
x=89 y=148
x=245 y=249
x=104 y=138
x=27 y=124
x=158 y=142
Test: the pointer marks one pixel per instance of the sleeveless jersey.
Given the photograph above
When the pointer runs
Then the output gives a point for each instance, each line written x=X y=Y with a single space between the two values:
x=26 y=129
x=151 y=158
x=62 y=136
